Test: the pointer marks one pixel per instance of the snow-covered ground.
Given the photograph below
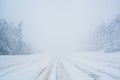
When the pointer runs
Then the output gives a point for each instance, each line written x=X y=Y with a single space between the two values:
x=77 y=66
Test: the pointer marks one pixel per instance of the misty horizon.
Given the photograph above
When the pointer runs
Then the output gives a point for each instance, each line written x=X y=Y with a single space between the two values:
x=58 y=26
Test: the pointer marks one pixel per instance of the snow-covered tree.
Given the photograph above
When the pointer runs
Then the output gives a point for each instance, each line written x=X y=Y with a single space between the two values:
x=107 y=37
x=11 y=41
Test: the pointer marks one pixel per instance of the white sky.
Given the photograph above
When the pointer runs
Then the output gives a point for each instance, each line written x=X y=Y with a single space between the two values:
x=58 y=26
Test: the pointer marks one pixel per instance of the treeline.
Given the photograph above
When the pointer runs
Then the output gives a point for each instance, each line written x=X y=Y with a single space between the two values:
x=107 y=36
x=11 y=40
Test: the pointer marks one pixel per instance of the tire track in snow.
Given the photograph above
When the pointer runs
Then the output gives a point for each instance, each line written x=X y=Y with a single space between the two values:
x=46 y=69
x=17 y=67
x=115 y=67
x=86 y=72
x=62 y=71
x=55 y=70
x=94 y=69
x=107 y=69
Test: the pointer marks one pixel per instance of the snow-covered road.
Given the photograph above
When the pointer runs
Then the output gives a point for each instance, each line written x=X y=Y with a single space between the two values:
x=77 y=66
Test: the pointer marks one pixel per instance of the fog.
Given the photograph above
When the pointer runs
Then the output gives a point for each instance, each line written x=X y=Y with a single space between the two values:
x=58 y=26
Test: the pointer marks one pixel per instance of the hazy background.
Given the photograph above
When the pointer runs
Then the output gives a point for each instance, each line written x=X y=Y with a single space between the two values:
x=58 y=26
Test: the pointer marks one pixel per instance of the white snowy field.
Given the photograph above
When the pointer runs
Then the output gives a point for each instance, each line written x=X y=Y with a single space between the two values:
x=77 y=66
